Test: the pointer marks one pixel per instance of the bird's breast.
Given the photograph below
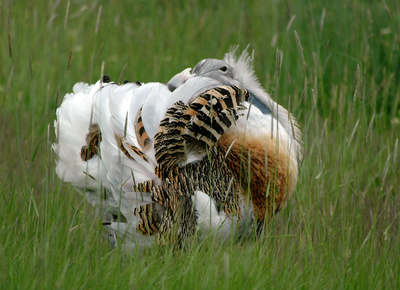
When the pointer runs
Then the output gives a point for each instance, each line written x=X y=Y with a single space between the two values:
x=263 y=168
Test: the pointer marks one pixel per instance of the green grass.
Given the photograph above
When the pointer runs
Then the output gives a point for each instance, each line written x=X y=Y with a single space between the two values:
x=339 y=75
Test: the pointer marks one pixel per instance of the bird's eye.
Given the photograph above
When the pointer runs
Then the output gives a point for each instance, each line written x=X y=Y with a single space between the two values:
x=223 y=68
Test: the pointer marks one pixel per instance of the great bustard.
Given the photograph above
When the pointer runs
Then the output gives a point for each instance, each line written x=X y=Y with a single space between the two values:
x=209 y=150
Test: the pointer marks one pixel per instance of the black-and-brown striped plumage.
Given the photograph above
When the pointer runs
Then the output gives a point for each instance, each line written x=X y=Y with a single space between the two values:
x=126 y=146
x=144 y=140
x=209 y=175
x=150 y=219
x=205 y=119
x=93 y=139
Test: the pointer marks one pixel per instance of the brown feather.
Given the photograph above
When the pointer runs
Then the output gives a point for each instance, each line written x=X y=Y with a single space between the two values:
x=93 y=139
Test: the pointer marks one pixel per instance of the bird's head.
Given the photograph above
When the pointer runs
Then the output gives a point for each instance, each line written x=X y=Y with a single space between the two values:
x=215 y=69
x=238 y=72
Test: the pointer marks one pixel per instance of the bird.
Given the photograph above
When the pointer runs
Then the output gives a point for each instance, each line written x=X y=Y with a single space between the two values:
x=208 y=152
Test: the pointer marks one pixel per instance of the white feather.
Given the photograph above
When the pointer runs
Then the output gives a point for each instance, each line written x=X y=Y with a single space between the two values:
x=210 y=221
x=112 y=174
x=192 y=88
x=154 y=108
x=120 y=100
x=72 y=124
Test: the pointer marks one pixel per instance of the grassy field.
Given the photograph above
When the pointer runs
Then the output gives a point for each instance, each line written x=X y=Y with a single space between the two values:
x=339 y=73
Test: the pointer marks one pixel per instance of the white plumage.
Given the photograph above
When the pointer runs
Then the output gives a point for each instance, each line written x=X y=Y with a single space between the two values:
x=106 y=134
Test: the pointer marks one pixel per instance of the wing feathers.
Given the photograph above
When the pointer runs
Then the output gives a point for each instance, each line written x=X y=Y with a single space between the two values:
x=205 y=119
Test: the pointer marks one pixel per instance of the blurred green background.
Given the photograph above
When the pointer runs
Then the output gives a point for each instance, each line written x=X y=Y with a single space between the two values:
x=334 y=64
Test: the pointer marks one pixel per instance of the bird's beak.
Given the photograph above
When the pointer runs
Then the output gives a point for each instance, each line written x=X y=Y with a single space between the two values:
x=180 y=78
